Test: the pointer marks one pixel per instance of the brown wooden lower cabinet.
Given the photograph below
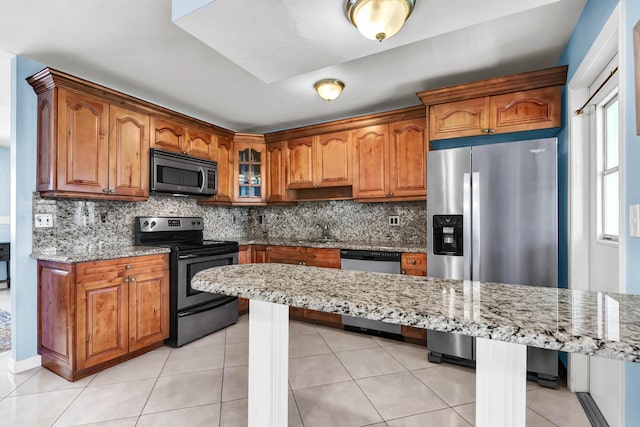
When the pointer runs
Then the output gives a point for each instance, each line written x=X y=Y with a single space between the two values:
x=414 y=264
x=96 y=314
x=414 y=335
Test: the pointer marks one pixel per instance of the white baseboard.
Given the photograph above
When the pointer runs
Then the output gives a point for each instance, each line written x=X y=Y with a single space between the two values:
x=23 y=365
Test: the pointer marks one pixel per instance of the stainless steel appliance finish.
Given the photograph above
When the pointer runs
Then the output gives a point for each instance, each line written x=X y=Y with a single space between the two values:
x=507 y=196
x=193 y=314
x=377 y=262
x=182 y=174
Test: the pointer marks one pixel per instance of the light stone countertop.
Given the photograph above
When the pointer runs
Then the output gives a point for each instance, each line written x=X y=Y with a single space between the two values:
x=83 y=253
x=557 y=319
x=332 y=244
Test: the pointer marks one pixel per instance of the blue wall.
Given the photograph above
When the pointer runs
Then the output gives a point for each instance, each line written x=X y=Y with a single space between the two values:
x=5 y=198
x=631 y=15
x=24 y=123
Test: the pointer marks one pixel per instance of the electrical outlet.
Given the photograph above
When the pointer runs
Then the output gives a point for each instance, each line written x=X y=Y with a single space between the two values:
x=5 y=220
x=103 y=217
x=261 y=219
x=44 y=220
x=394 y=221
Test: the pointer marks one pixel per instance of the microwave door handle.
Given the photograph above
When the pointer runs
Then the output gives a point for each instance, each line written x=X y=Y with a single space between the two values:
x=204 y=179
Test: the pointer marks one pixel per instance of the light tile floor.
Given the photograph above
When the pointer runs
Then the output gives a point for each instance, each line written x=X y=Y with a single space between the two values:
x=337 y=378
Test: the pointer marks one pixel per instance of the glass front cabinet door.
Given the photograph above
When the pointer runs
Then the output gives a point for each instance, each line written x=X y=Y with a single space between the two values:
x=250 y=173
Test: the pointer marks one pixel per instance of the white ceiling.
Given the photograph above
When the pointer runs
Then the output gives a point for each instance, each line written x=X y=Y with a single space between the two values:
x=134 y=47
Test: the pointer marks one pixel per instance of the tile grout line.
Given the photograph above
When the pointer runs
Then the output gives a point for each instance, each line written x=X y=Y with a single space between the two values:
x=224 y=358
x=153 y=388
x=354 y=380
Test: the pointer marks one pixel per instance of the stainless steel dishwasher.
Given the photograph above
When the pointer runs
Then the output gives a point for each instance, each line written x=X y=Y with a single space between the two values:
x=377 y=262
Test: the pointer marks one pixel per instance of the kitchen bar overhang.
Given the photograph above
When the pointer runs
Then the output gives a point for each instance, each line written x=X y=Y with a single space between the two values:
x=504 y=318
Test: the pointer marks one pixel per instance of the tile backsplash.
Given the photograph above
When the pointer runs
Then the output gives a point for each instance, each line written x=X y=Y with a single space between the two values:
x=79 y=222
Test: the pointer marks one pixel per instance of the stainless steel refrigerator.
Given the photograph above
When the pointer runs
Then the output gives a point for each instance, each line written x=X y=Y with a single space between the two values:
x=492 y=216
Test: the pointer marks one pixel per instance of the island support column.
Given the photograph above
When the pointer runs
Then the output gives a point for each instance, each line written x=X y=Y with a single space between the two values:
x=268 y=364
x=501 y=384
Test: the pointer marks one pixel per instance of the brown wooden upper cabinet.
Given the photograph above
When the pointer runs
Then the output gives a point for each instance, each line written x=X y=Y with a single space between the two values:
x=170 y=136
x=515 y=103
x=90 y=149
x=320 y=161
x=250 y=165
x=222 y=153
x=224 y=157
x=511 y=112
x=390 y=161
x=167 y=135
x=276 y=172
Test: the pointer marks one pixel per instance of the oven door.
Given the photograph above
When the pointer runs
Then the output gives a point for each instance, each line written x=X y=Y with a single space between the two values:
x=188 y=266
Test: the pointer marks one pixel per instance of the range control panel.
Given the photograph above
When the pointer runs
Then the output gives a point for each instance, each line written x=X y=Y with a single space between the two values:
x=148 y=224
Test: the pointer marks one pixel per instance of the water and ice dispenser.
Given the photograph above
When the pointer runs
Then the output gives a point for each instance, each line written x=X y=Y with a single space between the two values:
x=447 y=235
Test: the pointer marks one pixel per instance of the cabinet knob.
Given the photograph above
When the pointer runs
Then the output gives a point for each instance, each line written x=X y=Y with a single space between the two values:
x=485 y=131
x=133 y=279
x=185 y=152
x=413 y=261
x=128 y=266
x=111 y=190
x=392 y=194
x=126 y=280
x=404 y=272
x=492 y=130
x=105 y=190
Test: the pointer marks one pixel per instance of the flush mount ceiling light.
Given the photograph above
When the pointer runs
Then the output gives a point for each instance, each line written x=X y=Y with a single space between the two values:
x=329 y=89
x=378 y=19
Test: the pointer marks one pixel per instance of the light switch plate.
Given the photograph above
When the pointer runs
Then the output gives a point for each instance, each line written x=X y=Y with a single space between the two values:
x=5 y=220
x=634 y=220
x=44 y=220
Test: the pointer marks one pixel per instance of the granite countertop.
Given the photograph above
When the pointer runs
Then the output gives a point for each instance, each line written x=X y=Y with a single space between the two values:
x=373 y=246
x=593 y=323
x=83 y=253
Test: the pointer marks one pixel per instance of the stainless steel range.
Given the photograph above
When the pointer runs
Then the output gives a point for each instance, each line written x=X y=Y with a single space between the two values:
x=194 y=314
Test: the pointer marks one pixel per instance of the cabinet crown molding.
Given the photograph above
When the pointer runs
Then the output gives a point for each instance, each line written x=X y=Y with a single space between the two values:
x=555 y=76
x=50 y=78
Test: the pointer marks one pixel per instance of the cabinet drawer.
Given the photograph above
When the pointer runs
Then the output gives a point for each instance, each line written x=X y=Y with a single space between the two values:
x=286 y=254
x=321 y=317
x=92 y=271
x=414 y=262
x=327 y=258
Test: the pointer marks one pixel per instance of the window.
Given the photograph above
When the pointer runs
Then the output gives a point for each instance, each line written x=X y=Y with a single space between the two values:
x=608 y=169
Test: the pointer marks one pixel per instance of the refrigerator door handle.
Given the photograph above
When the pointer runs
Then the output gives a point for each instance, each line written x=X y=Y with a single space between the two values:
x=466 y=226
x=475 y=225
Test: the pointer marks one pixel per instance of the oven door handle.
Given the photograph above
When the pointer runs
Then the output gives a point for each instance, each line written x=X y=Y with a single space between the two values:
x=187 y=256
x=208 y=307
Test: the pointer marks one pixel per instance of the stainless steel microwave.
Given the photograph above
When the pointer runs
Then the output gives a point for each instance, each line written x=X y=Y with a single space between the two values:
x=182 y=174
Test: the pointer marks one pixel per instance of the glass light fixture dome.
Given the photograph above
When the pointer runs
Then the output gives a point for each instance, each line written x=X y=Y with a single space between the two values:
x=378 y=19
x=329 y=89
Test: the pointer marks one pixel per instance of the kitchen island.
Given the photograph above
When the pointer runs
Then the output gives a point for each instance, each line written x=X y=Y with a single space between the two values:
x=504 y=318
